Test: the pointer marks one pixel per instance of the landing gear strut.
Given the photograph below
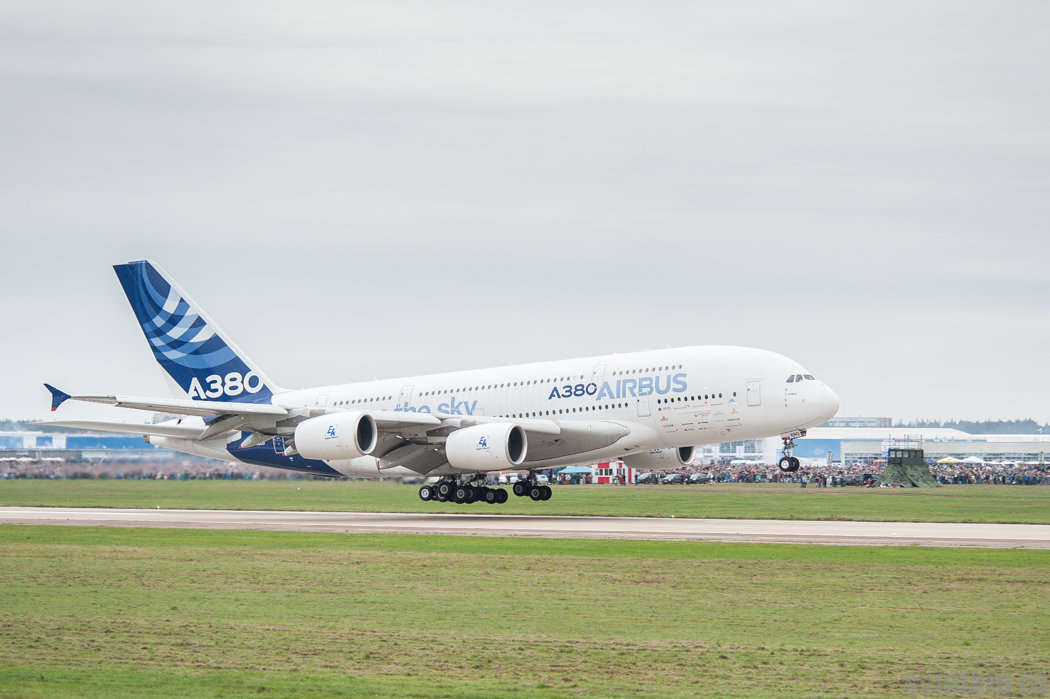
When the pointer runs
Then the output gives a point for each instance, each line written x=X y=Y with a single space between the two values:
x=788 y=463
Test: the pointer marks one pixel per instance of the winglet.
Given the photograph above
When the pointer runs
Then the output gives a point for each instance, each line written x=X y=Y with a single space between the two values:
x=57 y=397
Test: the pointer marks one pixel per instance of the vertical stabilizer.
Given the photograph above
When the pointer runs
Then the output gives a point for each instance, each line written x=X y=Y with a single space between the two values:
x=205 y=363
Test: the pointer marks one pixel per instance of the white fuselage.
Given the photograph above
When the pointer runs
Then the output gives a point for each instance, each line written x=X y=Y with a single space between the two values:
x=667 y=398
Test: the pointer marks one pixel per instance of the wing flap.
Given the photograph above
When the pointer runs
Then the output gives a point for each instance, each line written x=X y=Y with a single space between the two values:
x=573 y=438
x=388 y=420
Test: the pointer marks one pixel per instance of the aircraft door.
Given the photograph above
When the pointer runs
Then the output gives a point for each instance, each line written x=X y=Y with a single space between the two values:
x=404 y=398
x=643 y=407
x=754 y=394
x=598 y=375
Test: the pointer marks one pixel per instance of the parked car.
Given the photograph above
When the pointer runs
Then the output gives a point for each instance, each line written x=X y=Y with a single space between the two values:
x=673 y=479
x=699 y=478
x=650 y=478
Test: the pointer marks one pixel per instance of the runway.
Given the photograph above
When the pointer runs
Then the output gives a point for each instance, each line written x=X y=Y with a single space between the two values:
x=1034 y=536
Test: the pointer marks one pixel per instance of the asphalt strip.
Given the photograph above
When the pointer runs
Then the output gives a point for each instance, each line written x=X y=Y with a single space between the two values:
x=1033 y=536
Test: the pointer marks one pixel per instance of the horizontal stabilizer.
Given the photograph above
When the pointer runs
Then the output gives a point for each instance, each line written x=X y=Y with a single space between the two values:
x=57 y=397
x=160 y=430
x=198 y=408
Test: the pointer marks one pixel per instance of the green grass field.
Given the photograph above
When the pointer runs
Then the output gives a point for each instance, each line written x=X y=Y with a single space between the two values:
x=104 y=612
x=1016 y=504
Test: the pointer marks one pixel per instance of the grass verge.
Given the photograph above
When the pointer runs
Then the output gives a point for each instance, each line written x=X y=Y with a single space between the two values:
x=987 y=504
x=96 y=611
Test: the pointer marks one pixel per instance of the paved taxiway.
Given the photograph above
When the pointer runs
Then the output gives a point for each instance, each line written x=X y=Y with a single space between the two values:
x=492 y=524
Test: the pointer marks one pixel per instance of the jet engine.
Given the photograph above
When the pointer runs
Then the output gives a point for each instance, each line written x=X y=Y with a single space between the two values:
x=491 y=447
x=336 y=436
x=660 y=459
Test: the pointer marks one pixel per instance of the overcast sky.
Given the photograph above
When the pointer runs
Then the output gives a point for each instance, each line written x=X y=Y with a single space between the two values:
x=359 y=190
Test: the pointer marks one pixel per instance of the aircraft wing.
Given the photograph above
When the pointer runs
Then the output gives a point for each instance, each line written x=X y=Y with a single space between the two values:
x=548 y=439
x=552 y=439
x=406 y=439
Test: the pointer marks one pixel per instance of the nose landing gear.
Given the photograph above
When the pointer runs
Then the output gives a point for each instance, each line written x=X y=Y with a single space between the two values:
x=789 y=463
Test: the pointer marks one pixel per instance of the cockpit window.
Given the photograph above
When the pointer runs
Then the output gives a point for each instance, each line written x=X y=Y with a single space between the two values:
x=791 y=379
x=798 y=377
x=808 y=377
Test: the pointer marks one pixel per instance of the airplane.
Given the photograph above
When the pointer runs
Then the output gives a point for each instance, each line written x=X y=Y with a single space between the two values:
x=649 y=409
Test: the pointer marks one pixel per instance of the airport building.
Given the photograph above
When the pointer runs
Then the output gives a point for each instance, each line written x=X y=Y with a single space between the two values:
x=79 y=445
x=846 y=440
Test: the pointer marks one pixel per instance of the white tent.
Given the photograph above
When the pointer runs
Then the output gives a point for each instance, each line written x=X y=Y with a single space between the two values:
x=973 y=460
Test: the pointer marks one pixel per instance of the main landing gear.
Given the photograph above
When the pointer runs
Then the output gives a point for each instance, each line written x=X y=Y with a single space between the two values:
x=450 y=490
x=788 y=463
x=532 y=489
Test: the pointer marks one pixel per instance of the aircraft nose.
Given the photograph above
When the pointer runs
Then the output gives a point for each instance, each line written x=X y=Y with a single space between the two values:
x=827 y=402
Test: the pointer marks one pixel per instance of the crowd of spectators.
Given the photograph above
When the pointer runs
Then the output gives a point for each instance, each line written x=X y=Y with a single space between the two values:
x=864 y=473
x=856 y=474
x=153 y=469
x=992 y=473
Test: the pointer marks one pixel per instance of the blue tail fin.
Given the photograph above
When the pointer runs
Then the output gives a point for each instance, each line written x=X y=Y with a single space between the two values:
x=188 y=345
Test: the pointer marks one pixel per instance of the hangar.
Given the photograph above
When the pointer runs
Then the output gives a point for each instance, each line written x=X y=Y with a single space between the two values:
x=865 y=439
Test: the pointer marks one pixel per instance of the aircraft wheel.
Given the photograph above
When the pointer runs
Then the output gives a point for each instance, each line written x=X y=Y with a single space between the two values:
x=445 y=490
x=536 y=493
x=426 y=493
x=520 y=489
x=794 y=464
x=491 y=496
x=501 y=496
x=547 y=492
x=460 y=495
x=785 y=464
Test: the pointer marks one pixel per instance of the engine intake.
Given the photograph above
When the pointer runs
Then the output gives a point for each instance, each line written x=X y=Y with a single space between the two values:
x=491 y=447
x=336 y=436
x=661 y=459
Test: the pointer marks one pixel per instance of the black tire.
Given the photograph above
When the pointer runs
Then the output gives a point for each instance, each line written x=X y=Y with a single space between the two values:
x=462 y=494
x=536 y=493
x=794 y=464
x=547 y=492
x=785 y=464
x=426 y=493
x=445 y=490
x=521 y=489
x=501 y=496
x=490 y=496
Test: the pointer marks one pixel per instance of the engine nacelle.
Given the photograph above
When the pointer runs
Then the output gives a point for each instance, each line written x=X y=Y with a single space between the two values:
x=336 y=436
x=661 y=459
x=491 y=447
